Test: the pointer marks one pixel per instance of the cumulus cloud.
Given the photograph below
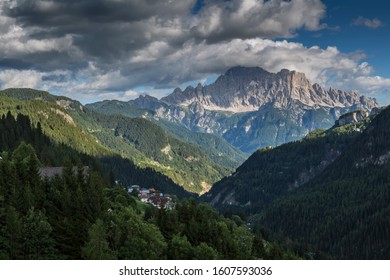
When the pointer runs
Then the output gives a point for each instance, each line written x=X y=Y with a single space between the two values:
x=18 y=79
x=224 y=20
x=373 y=83
x=370 y=23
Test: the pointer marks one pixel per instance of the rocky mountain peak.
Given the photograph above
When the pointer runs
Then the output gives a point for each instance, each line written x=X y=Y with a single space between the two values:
x=294 y=78
x=177 y=91
x=244 y=71
x=147 y=97
x=245 y=89
x=146 y=101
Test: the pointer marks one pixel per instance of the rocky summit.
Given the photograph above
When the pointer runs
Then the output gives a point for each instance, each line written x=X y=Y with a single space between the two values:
x=252 y=108
x=243 y=89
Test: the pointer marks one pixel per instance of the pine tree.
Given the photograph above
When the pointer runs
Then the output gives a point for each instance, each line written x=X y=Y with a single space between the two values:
x=205 y=252
x=13 y=233
x=3 y=231
x=180 y=248
x=97 y=246
x=37 y=240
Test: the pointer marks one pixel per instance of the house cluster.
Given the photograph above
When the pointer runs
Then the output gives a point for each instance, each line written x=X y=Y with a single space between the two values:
x=153 y=197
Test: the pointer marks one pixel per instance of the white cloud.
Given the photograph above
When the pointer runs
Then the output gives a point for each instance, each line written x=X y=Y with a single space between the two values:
x=373 y=83
x=20 y=79
x=150 y=53
x=130 y=94
x=16 y=42
x=370 y=23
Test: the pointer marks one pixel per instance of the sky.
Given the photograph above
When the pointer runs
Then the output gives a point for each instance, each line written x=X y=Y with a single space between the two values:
x=93 y=50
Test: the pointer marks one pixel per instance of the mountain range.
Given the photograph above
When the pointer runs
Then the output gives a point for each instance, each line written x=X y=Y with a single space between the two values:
x=249 y=107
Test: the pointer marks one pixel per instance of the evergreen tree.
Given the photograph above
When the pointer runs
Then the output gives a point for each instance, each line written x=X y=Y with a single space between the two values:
x=97 y=246
x=180 y=248
x=37 y=240
x=14 y=234
x=205 y=252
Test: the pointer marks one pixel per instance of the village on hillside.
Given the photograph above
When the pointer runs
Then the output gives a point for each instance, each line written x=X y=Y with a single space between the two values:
x=153 y=197
x=150 y=196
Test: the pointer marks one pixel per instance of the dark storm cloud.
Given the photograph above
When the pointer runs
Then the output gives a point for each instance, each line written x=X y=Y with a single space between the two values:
x=59 y=78
x=14 y=63
x=72 y=12
x=110 y=31
x=106 y=31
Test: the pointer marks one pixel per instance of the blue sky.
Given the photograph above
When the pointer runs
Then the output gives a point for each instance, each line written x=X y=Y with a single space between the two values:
x=113 y=49
x=349 y=37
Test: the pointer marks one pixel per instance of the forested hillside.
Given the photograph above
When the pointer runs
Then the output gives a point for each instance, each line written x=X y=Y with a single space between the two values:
x=186 y=164
x=145 y=144
x=274 y=172
x=215 y=146
x=51 y=119
x=328 y=192
x=56 y=123
x=345 y=210
x=83 y=216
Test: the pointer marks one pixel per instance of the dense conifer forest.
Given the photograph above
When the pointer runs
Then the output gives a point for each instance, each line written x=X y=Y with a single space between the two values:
x=85 y=216
x=329 y=191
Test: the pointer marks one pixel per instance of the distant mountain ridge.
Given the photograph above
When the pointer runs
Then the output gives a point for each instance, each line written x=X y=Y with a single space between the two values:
x=252 y=108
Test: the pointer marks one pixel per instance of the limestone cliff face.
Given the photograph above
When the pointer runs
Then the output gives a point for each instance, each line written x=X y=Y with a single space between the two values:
x=252 y=108
x=243 y=89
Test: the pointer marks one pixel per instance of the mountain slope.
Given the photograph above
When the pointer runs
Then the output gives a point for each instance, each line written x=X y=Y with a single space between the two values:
x=186 y=164
x=329 y=191
x=274 y=172
x=144 y=143
x=252 y=108
x=344 y=211
x=216 y=147
x=80 y=215
x=73 y=135
x=56 y=122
